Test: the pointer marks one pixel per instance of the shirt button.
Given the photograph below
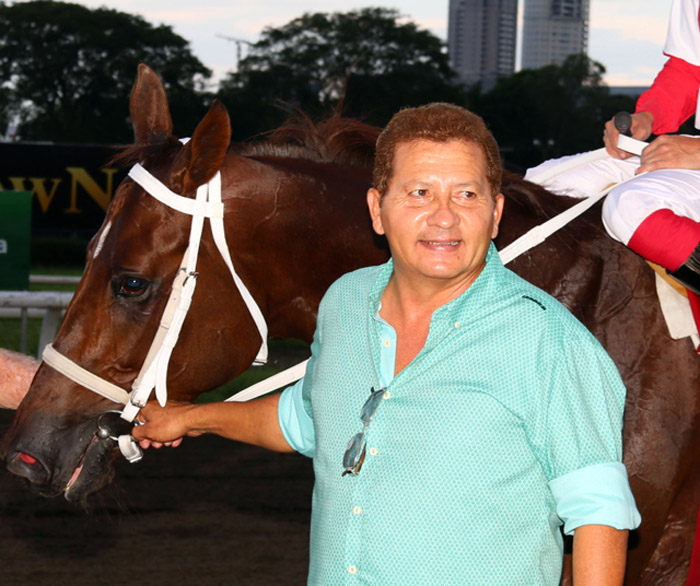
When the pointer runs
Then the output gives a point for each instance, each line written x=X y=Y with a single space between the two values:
x=373 y=451
x=458 y=324
x=352 y=569
x=387 y=343
x=387 y=395
x=357 y=510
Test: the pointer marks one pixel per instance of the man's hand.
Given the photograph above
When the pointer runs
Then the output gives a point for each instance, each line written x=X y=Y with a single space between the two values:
x=641 y=130
x=253 y=422
x=671 y=152
x=163 y=426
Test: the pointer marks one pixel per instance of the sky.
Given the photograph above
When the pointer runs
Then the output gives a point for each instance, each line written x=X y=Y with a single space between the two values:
x=626 y=36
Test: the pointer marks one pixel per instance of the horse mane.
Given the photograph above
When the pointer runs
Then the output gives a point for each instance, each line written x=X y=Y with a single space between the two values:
x=535 y=198
x=334 y=139
x=128 y=155
x=345 y=141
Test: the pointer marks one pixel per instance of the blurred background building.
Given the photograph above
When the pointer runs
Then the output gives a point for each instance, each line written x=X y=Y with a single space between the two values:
x=553 y=30
x=482 y=36
x=481 y=39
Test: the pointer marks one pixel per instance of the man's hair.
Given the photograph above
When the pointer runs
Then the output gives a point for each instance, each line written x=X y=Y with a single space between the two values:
x=438 y=122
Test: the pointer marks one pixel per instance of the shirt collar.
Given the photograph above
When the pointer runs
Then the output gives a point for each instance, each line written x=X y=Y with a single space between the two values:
x=460 y=308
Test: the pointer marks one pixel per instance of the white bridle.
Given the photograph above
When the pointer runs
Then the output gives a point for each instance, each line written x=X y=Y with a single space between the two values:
x=153 y=373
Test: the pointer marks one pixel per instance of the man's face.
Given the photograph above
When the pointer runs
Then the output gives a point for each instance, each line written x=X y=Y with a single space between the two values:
x=438 y=213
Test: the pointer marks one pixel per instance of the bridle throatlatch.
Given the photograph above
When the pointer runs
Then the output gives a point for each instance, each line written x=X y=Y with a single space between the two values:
x=154 y=371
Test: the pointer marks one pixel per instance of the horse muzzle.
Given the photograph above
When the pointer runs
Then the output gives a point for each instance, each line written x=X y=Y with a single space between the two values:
x=76 y=473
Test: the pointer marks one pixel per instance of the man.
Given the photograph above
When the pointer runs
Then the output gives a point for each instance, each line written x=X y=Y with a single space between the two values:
x=456 y=414
x=657 y=215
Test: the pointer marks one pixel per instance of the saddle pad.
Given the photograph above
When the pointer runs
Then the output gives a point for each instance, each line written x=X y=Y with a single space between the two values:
x=676 y=309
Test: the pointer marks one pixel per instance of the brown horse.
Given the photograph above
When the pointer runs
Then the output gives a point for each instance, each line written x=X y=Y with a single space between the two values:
x=295 y=221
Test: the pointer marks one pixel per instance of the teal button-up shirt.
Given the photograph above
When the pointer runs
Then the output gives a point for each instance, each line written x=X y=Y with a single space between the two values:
x=505 y=426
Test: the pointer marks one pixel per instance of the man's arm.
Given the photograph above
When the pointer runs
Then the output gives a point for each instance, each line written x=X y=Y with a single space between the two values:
x=255 y=422
x=16 y=374
x=599 y=555
x=673 y=96
x=670 y=101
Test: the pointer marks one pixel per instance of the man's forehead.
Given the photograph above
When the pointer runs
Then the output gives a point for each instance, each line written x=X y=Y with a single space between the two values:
x=429 y=147
x=429 y=144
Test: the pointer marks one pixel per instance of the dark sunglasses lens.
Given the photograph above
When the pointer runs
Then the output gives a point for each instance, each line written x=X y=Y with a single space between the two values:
x=370 y=406
x=353 y=453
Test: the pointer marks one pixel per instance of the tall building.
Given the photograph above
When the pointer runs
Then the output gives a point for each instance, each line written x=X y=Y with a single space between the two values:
x=553 y=30
x=481 y=39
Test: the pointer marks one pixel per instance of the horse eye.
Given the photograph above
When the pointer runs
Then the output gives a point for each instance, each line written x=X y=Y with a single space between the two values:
x=132 y=286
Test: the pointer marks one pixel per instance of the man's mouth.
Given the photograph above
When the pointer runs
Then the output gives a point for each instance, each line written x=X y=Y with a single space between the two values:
x=441 y=242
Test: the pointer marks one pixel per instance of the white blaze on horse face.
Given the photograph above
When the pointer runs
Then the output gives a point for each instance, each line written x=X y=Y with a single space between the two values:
x=101 y=241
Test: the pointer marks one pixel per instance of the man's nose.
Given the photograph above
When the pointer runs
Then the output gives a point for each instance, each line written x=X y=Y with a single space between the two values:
x=443 y=215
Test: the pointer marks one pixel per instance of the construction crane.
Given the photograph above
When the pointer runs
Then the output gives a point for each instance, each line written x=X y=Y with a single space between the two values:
x=239 y=44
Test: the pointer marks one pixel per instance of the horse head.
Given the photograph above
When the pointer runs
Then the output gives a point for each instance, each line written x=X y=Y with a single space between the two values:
x=131 y=265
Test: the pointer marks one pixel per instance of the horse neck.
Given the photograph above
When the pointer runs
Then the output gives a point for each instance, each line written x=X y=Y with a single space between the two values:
x=293 y=227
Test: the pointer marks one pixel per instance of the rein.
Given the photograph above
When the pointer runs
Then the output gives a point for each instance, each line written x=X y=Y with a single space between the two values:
x=153 y=373
x=208 y=204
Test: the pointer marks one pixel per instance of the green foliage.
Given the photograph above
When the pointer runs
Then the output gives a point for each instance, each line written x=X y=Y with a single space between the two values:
x=366 y=62
x=67 y=71
x=537 y=114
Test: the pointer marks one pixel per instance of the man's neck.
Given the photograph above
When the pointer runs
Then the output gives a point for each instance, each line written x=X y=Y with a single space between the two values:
x=409 y=310
x=408 y=300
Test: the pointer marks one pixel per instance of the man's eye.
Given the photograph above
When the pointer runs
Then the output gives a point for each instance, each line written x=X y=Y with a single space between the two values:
x=420 y=192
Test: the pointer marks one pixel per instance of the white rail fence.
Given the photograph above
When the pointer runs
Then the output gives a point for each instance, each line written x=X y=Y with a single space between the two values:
x=49 y=305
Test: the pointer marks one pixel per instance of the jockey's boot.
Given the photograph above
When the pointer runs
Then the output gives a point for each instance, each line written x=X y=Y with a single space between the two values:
x=688 y=274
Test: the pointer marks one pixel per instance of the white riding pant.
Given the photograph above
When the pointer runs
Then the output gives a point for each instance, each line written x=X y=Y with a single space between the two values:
x=627 y=206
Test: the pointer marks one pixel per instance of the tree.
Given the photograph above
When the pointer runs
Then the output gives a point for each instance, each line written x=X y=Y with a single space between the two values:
x=537 y=114
x=67 y=71
x=367 y=61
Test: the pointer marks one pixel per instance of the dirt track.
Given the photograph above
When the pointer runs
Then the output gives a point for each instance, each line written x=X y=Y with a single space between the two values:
x=209 y=513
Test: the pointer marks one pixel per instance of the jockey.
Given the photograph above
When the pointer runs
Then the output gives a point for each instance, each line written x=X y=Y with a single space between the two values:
x=658 y=214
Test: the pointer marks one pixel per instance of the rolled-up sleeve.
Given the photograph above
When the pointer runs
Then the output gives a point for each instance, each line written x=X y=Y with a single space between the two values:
x=296 y=424
x=595 y=495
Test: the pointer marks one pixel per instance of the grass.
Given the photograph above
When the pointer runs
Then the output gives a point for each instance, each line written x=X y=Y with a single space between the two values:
x=10 y=334
x=10 y=328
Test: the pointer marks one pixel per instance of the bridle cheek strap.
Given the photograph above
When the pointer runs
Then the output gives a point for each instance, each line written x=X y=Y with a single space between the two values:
x=153 y=373
x=207 y=204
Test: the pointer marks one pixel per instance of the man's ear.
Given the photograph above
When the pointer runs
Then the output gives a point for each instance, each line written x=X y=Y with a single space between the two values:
x=499 y=200
x=374 y=199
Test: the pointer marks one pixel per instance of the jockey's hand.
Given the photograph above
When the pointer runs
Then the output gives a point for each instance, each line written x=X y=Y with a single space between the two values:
x=162 y=426
x=670 y=151
x=641 y=130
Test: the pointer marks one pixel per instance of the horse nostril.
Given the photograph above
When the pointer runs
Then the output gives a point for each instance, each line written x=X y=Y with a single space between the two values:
x=27 y=459
x=27 y=466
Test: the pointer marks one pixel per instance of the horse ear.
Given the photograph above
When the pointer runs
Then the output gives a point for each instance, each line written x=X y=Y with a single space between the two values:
x=203 y=155
x=149 y=110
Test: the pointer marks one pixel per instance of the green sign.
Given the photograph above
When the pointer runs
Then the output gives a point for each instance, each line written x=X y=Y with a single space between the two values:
x=15 y=231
